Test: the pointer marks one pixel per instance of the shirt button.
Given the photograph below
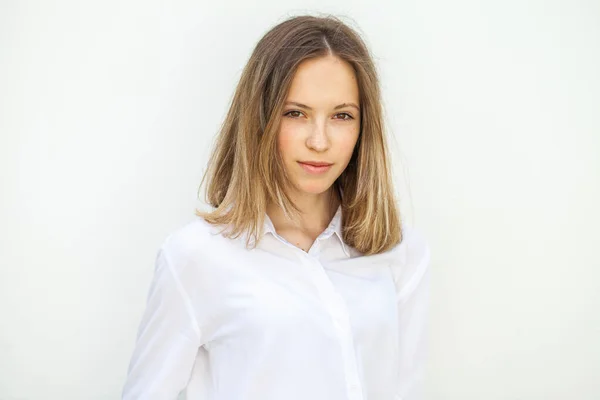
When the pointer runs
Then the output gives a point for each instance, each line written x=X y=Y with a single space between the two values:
x=355 y=387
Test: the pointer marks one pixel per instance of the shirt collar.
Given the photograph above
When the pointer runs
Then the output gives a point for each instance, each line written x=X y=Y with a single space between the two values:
x=334 y=227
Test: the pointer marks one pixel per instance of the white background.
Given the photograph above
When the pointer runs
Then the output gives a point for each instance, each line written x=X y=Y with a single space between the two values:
x=107 y=113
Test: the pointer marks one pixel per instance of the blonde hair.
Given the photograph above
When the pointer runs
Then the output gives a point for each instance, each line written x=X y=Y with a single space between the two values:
x=245 y=170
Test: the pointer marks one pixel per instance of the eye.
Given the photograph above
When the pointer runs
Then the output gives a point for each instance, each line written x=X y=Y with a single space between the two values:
x=348 y=115
x=290 y=112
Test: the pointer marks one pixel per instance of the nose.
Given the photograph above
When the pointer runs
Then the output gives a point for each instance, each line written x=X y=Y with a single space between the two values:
x=318 y=139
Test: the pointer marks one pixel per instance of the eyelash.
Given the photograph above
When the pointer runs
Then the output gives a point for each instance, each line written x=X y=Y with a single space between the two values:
x=343 y=119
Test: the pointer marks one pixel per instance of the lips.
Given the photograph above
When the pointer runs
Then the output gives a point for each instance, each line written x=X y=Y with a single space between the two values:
x=315 y=163
x=313 y=169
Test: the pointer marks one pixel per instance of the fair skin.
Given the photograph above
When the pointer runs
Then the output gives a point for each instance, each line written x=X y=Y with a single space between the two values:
x=328 y=132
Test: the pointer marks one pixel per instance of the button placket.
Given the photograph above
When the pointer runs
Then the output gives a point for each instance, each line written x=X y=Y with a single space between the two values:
x=338 y=311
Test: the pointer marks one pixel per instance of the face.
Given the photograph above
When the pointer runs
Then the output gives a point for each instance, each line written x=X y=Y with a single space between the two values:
x=320 y=123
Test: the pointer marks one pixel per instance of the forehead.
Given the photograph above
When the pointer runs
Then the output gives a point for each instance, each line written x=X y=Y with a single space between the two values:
x=323 y=81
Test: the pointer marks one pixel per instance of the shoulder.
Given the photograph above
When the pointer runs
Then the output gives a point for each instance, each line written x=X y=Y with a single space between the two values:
x=410 y=260
x=414 y=245
x=189 y=242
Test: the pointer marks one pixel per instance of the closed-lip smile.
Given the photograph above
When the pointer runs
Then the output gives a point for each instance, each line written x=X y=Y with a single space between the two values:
x=315 y=163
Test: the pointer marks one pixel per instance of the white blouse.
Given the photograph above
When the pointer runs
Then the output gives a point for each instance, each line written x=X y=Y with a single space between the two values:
x=276 y=323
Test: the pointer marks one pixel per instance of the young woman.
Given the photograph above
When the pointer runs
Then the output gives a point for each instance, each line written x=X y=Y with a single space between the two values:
x=300 y=283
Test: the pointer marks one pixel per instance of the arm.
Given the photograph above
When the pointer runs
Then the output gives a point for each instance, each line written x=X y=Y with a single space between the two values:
x=413 y=298
x=167 y=341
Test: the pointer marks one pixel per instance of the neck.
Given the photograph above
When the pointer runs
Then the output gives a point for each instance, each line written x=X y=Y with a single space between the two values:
x=317 y=211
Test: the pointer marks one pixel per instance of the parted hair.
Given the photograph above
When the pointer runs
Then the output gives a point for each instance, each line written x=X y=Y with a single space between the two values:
x=245 y=171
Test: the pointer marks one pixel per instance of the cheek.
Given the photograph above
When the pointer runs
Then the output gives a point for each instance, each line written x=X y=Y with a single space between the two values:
x=287 y=142
x=346 y=146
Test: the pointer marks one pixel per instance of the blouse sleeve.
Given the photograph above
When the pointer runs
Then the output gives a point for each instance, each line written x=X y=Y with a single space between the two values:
x=412 y=283
x=168 y=338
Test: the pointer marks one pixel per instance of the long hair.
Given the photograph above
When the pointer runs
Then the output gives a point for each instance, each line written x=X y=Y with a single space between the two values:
x=245 y=170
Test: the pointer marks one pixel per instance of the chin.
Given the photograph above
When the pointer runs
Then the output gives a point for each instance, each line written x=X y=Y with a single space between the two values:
x=314 y=187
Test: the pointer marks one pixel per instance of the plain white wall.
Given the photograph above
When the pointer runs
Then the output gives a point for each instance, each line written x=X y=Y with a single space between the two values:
x=107 y=111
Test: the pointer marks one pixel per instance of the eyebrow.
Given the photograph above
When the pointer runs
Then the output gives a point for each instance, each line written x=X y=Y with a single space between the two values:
x=335 y=108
